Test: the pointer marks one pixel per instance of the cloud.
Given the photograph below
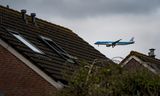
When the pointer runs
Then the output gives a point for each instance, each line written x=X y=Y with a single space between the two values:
x=102 y=20
x=144 y=28
x=86 y=8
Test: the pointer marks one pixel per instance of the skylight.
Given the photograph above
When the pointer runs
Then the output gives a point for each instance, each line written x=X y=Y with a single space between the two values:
x=58 y=49
x=26 y=42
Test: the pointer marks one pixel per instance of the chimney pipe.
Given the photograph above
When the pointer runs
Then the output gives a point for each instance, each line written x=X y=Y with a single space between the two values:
x=33 y=16
x=23 y=12
x=151 y=53
x=7 y=6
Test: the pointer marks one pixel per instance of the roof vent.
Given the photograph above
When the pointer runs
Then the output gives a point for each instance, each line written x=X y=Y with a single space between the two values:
x=151 y=53
x=7 y=6
x=33 y=15
x=23 y=12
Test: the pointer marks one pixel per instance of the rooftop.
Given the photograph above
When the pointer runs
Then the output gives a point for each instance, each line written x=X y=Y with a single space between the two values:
x=51 y=60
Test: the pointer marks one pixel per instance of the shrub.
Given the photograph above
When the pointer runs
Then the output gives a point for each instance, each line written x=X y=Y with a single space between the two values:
x=111 y=80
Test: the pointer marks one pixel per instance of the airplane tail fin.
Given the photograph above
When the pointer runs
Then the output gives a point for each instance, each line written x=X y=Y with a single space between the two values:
x=132 y=39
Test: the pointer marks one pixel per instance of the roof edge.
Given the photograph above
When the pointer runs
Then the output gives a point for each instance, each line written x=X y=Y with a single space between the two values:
x=31 y=65
x=131 y=56
x=44 y=21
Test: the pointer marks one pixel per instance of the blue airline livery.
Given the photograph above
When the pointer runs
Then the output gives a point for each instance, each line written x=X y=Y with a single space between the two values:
x=114 y=43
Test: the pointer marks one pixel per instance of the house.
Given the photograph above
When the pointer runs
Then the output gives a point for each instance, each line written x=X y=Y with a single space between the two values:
x=136 y=60
x=35 y=54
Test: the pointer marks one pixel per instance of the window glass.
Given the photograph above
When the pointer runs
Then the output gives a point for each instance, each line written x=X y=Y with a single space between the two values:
x=26 y=42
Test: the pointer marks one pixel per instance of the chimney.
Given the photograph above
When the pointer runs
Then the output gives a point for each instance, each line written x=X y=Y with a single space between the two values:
x=7 y=6
x=23 y=12
x=33 y=16
x=151 y=53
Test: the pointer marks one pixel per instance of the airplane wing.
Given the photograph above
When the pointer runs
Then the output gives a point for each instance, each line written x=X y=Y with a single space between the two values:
x=114 y=43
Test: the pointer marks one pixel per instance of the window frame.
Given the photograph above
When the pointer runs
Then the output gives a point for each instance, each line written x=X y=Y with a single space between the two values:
x=26 y=42
x=61 y=52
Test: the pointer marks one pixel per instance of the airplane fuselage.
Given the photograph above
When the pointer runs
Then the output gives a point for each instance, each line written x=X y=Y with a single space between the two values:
x=110 y=43
x=114 y=43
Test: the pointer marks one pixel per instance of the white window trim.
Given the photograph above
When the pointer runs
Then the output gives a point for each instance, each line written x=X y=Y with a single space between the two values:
x=46 y=38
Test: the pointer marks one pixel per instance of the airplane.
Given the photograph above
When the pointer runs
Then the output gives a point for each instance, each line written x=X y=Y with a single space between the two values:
x=114 y=43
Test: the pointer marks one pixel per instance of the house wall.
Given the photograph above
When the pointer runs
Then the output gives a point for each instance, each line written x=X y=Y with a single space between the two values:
x=133 y=65
x=17 y=79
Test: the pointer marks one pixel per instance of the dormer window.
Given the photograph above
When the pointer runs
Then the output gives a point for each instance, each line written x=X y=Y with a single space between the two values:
x=49 y=42
x=26 y=42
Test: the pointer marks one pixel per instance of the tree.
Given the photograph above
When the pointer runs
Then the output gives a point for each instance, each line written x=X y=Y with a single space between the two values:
x=111 y=80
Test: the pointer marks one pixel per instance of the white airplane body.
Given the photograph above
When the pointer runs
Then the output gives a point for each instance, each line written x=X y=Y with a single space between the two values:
x=114 y=43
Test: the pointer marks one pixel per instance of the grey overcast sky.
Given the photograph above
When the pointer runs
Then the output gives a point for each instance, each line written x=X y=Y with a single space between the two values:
x=102 y=20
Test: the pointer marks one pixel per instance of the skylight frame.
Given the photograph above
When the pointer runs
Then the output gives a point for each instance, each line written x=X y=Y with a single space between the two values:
x=25 y=41
x=60 y=51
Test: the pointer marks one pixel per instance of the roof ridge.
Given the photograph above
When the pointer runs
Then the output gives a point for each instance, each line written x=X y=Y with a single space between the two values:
x=141 y=54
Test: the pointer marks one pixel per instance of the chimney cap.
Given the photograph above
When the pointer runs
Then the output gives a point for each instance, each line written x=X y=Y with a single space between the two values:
x=152 y=49
x=151 y=53
x=33 y=14
x=23 y=11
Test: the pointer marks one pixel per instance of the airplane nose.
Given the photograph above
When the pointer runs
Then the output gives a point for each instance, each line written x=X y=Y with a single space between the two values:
x=96 y=43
